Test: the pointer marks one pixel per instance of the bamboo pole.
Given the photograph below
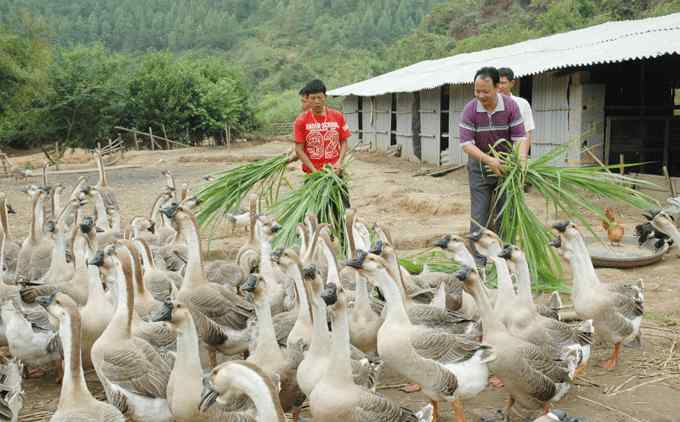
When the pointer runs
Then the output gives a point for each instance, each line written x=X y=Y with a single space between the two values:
x=671 y=187
x=165 y=135
x=135 y=131
x=153 y=146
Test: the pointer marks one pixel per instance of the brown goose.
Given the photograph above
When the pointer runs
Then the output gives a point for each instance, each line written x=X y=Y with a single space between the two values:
x=217 y=304
x=76 y=403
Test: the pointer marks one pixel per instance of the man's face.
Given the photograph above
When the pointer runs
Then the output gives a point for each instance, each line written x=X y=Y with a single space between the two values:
x=304 y=102
x=317 y=102
x=505 y=86
x=485 y=91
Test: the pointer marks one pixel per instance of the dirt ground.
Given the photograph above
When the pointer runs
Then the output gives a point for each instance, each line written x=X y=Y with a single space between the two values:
x=644 y=387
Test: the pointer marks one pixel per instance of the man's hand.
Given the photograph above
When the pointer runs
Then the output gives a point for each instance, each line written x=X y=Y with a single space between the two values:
x=337 y=168
x=495 y=165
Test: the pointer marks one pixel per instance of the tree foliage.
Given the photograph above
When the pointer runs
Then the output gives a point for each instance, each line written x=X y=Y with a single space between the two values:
x=192 y=66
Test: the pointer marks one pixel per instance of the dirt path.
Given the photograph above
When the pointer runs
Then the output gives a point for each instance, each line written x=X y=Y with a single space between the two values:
x=418 y=210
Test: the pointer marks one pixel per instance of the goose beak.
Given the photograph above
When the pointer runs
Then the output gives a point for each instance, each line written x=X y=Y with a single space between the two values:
x=463 y=273
x=377 y=249
x=208 y=395
x=45 y=301
x=276 y=256
x=561 y=226
x=165 y=313
x=85 y=228
x=250 y=284
x=475 y=236
x=171 y=210
x=10 y=210
x=309 y=272
x=99 y=230
x=556 y=242
x=442 y=243
x=650 y=214
x=358 y=261
x=276 y=228
x=506 y=253
x=51 y=227
x=97 y=260
x=152 y=227
x=330 y=294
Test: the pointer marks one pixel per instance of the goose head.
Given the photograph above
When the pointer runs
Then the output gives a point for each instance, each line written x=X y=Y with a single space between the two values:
x=254 y=288
x=59 y=306
x=486 y=242
x=451 y=242
x=268 y=227
x=470 y=278
x=174 y=312
x=286 y=258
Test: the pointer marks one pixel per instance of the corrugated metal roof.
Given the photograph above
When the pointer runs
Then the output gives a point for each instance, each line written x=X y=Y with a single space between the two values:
x=605 y=43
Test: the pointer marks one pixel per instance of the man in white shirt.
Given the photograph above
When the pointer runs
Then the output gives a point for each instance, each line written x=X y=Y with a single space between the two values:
x=507 y=82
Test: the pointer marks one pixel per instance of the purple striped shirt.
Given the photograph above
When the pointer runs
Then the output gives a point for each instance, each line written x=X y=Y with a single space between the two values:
x=484 y=129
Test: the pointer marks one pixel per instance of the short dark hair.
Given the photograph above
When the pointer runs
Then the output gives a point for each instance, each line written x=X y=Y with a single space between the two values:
x=507 y=72
x=314 y=87
x=303 y=91
x=490 y=73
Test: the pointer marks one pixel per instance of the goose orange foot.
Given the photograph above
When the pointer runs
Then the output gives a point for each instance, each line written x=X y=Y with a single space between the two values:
x=613 y=359
x=459 y=411
x=496 y=382
x=411 y=388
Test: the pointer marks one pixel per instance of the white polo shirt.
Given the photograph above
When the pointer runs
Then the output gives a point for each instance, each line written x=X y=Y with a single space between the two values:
x=525 y=110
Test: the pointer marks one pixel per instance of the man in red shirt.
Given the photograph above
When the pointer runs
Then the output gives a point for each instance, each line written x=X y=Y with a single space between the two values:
x=321 y=132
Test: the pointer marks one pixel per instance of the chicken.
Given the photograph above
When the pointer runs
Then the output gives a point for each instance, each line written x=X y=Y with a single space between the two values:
x=614 y=229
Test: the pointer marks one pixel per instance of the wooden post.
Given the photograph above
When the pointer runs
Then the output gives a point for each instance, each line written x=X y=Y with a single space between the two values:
x=621 y=164
x=134 y=136
x=153 y=147
x=671 y=188
x=227 y=136
x=165 y=135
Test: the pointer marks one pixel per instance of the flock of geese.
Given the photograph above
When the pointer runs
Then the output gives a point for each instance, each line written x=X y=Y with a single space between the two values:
x=142 y=307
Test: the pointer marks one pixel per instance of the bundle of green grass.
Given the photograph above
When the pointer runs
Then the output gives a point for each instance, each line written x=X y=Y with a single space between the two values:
x=573 y=191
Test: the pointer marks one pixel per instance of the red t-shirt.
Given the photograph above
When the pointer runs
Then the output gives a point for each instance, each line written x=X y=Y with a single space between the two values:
x=321 y=136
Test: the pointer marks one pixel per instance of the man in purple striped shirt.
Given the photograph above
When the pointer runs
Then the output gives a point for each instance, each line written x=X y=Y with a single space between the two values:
x=489 y=120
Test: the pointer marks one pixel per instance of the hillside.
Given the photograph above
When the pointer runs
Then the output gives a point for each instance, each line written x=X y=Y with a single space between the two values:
x=275 y=46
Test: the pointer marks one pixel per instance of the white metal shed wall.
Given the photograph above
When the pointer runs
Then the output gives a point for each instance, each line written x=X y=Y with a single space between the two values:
x=383 y=110
x=430 y=108
x=350 y=106
x=550 y=104
x=404 y=123
x=459 y=95
x=369 y=119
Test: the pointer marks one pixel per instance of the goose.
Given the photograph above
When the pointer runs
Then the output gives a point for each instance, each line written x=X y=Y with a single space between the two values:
x=76 y=403
x=249 y=254
x=249 y=379
x=160 y=335
x=616 y=309
x=77 y=286
x=532 y=377
x=98 y=311
x=550 y=331
x=145 y=304
x=266 y=229
x=185 y=383
x=142 y=228
x=34 y=256
x=11 y=391
x=301 y=316
x=447 y=367
x=11 y=248
x=102 y=186
x=364 y=323
x=159 y=283
x=267 y=354
x=164 y=232
x=336 y=398
x=129 y=368
x=419 y=313
x=216 y=303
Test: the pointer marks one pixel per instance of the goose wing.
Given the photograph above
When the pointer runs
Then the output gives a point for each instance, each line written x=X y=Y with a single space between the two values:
x=137 y=368
x=222 y=306
x=444 y=347
x=372 y=407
